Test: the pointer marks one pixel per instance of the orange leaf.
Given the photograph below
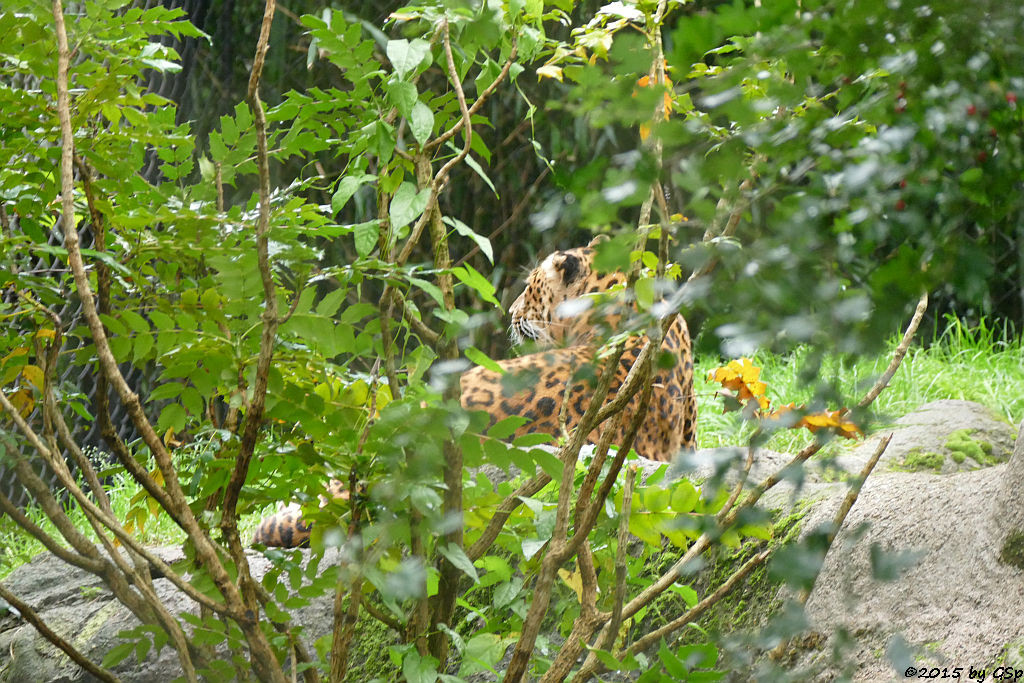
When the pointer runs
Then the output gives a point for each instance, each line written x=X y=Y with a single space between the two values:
x=23 y=402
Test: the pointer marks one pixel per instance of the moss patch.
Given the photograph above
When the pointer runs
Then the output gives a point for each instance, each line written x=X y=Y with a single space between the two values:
x=1012 y=552
x=370 y=657
x=962 y=445
x=917 y=460
x=754 y=601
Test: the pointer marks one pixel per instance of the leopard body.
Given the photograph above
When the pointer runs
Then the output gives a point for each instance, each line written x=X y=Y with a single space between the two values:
x=555 y=311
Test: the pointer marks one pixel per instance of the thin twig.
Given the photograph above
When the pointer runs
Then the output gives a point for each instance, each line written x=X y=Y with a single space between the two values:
x=205 y=550
x=897 y=357
x=837 y=523
x=447 y=135
x=620 y=558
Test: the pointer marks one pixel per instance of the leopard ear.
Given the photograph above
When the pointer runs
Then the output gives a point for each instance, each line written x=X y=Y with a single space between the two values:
x=598 y=239
x=568 y=265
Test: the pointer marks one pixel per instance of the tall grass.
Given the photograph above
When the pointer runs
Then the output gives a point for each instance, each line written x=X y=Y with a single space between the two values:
x=984 y=363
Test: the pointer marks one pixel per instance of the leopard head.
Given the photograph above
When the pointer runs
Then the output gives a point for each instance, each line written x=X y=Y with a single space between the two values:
x=554 y=308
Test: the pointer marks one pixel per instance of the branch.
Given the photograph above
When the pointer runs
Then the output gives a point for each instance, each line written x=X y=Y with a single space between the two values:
x=103 y=517
x=205 y=550
x=837 y=524
x=729 y=229
x=447 y=135
x=254 y=416
x=466 y=121
x=504 y=510
x=620 y=559
x=897 y=358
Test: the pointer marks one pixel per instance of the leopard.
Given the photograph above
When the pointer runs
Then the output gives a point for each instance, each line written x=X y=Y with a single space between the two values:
x=557 y=312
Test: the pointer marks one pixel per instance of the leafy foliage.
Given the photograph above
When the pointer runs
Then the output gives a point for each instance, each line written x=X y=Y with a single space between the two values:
x=835 y=176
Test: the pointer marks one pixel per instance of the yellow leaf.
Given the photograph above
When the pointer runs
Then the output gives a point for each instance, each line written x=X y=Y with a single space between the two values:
x=153 y=505
x=573 y=580
x=33 y=374
x=23 y=402
x=46 y=334
x=834 y=420
x=550 y=71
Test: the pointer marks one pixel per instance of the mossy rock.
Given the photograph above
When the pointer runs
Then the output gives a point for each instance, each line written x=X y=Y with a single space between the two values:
x=962 y=445
x=1012 y=551
x=918 y=460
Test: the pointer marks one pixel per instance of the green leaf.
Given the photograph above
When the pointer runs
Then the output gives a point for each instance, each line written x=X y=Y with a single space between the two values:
x=430 y=288
x=117 y=654
x=346 y=188
x=407 y=204
x=330 y=304
x=421 y=122
x=381 y=141
x=532 y=546
x=472 y=163
x=142 y=346
x=406 y=56
x=608 y=659
x=684 y=496
x=654 y=498
x=971 y=176
x=505 y=593
x=162 y=321
x=483 y=652
x=457 y=556
x=548 y=462
x=172 y=417
x=504 y=428
x=114 y=325
x=164 y=391
x=417 y=669
x=135 y=321
x=644 y=289
x=365 y=235
x=472 y=278
x=640 y=526
x=480 y=358
x=403 y=96
x=671 y=663
x=466 y=231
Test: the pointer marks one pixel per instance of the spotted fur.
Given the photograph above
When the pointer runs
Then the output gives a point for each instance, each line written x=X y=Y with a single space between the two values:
x=557 y=311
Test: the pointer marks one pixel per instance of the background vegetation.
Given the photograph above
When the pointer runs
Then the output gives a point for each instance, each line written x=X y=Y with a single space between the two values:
x=297 y=261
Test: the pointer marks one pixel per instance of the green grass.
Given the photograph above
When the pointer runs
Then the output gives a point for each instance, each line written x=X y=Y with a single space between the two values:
x=981 y=364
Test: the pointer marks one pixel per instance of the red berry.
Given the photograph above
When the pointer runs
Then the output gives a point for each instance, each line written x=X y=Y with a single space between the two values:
x=900 y=205
x=901 y=107
x=982 y=156
x=971 y=110
x=993 y=132
x=1011 y=97
x=903 y=183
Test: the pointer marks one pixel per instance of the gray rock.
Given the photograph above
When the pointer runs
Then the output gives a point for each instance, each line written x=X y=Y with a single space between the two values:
x=958 y=604
x=927 y=431
x=77 y=606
